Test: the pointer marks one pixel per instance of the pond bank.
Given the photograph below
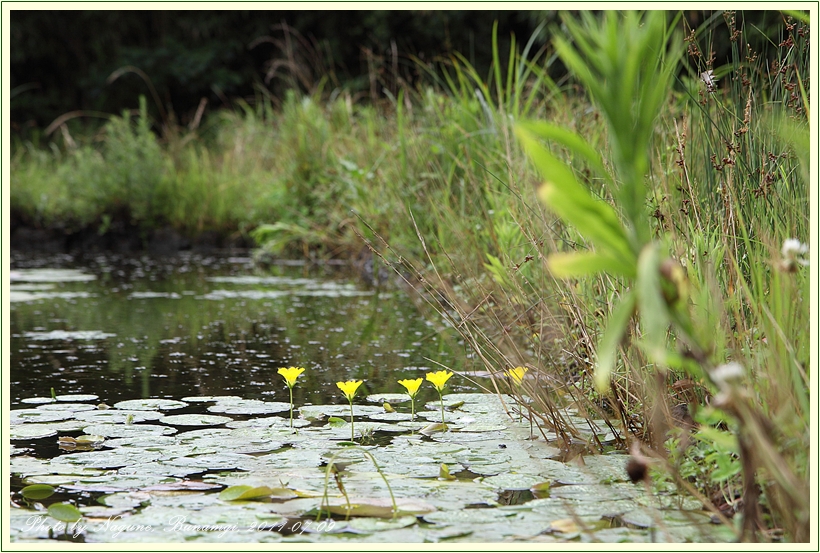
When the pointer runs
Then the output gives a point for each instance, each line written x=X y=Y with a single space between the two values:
x=121 y=238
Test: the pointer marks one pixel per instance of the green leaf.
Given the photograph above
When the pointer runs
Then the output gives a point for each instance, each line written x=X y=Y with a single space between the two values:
x=654 y=312
x=610 y=340
x=571 y=140
x=444 y=472
x=236 y=493
x=64 y=512
x=37 y=491
x=596 y=220
x=336 y=422
x=576 y=264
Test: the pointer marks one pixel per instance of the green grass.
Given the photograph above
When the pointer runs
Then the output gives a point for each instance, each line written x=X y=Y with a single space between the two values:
x=437 y=182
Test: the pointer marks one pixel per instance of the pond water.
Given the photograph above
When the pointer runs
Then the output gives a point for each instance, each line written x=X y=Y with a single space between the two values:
x=143 y=327
x=146 y=407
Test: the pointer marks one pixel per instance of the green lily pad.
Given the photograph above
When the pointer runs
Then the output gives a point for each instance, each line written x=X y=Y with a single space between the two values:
x=245 y=493
x=21 y=416
x=78 y=397
x=377 y=507
x=151 y=404
x=268 y=422
x=128 y=430
x=341 y=410
x=38 y=400
x=38 y=491
x=64 y=512
x=511 y=481
x=71 y=407
x=31 y=431
x=370 y=525
x=194 y=420
x=249 y=407
x=118 y=416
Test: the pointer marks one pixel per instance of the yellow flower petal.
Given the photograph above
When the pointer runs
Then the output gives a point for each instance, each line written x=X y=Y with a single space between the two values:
x=291 y=374
x=412 y=385
x=349 y=388
x=517 y=374
x=439 y=378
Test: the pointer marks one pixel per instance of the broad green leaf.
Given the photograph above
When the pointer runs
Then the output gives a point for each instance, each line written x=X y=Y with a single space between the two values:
x=64 y=512
x=594 y=219
x=37 y=491
x=613 y=334
x=336 y=422
x=576 y=264
x=571 y=140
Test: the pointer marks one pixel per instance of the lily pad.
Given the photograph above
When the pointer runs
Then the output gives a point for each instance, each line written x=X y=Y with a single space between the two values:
x=73 y=407
x=249 y=407
x=151 y=404
x=77 y=397
x=118 y=416
x=32 y=431
x=194 y=420
x=21 y=416
x=128 y=430
x=377 y=507
x=390 y=398
x=38 y=400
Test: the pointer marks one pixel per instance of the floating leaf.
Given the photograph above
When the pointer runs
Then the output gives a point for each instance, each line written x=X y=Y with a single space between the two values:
x=151 y=404
x=378 y=507
x=433 y=428
x=78 y=397
x=238 y=493
x=37 y=491
x=64 y=512
x=336 y=422
x=194 y=420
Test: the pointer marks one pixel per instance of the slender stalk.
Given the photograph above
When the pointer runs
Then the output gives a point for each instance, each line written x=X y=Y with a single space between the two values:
x=290 y=389
x=352 y=435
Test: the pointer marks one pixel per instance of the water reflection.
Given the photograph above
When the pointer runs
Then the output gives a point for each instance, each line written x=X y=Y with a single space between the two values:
x=125 y=327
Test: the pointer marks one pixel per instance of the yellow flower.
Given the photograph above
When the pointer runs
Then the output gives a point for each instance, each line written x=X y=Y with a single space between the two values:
x=412 y=386
x=439 y=378
x=517 y=374
x=349 y=388
x=291 y=374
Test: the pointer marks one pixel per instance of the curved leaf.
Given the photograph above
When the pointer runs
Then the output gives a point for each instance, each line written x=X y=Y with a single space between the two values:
x=611 y=339
x=576 y=264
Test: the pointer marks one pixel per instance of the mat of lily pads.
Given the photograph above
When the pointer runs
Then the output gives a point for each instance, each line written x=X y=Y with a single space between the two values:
x=226 y=470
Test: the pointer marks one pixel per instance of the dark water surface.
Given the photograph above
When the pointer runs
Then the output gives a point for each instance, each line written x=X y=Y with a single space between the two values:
x=169 y=327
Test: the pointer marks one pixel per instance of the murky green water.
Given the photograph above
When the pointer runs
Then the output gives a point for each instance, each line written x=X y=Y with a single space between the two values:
x=189 y=325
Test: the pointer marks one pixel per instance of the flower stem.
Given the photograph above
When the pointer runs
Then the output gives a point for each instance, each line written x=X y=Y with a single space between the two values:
x=290 y=389
x=352 y=435
x=441 y=400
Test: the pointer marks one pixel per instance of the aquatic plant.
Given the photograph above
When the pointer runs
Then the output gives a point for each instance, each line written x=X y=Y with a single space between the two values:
x=412 y=386
x=290 y=375
x=349 y=389
x=439 y=379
